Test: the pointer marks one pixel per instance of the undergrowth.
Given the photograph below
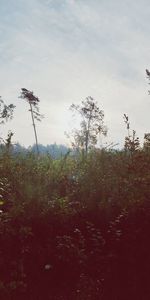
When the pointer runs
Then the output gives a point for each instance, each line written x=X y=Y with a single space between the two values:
x=75 y=228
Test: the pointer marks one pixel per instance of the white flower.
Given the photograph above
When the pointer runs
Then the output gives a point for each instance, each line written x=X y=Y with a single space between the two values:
x=47 y=267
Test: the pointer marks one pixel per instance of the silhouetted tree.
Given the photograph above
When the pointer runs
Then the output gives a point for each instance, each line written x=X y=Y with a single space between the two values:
x=34 y=109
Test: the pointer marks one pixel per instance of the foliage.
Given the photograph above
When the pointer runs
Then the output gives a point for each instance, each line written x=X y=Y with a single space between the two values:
x=6 y=111
x=92 y=124
x=132 y=142
x=73 y=228
x=146 y=145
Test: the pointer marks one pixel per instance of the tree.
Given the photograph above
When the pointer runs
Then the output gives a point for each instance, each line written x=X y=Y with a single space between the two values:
x=92 y=124
x=34 y=110
x=6 y=111
x=146 y=145
x=132 y=142
x=6 y=114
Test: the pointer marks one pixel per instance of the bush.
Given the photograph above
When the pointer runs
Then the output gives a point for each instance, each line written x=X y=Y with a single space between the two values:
x=75 y=229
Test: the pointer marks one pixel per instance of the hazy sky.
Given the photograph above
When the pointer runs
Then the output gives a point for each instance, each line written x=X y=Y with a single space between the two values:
x=66 y=50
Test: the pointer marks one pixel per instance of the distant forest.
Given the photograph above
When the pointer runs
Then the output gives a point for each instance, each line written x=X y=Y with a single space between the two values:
x=54 y=150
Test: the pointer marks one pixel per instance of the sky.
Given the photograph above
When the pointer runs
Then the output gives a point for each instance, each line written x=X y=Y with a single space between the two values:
x=66 y=50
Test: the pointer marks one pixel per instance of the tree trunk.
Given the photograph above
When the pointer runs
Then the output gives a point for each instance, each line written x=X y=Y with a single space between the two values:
x=35 y=133
x=87 y=133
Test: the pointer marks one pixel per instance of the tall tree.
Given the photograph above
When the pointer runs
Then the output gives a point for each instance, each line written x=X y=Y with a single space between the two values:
x=34 y=110
x=92 y=123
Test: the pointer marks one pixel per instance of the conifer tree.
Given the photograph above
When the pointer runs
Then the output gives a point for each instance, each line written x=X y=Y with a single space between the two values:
x=34 y=110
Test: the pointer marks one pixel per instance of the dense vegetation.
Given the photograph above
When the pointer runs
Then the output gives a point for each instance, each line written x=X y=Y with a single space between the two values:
x=75 y=228
x=74 y=225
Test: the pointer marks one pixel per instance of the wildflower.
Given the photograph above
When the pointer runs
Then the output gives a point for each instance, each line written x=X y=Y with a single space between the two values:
x=47 y=267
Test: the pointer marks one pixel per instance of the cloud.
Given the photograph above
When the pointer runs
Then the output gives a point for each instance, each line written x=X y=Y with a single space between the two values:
x=65 y=50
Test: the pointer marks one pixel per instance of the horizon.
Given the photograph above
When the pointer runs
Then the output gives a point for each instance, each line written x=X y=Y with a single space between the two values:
x=65 y=51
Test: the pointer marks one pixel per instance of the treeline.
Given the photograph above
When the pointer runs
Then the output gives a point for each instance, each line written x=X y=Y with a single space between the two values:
x=54 y=150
